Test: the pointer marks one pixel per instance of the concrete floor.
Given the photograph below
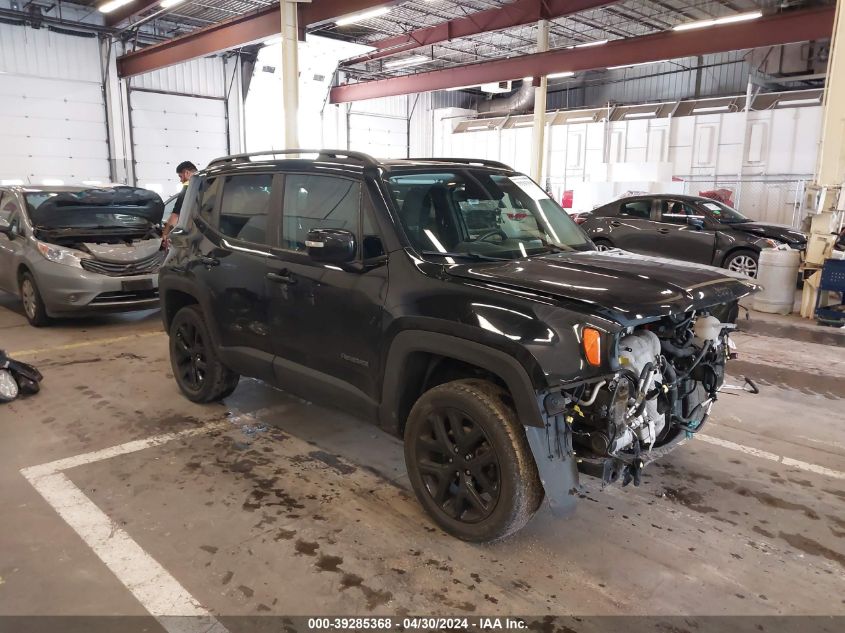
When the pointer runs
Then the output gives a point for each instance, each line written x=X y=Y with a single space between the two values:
x=314 y=515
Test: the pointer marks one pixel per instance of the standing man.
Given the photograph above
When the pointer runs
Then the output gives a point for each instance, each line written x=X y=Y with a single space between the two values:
x=185 y=170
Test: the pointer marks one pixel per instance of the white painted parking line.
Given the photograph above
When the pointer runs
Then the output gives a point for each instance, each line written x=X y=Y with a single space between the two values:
x=780 y=459
x=69 y=346
x=151 y=584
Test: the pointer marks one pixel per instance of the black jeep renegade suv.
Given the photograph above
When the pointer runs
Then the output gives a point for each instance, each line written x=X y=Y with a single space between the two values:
x=453 y=302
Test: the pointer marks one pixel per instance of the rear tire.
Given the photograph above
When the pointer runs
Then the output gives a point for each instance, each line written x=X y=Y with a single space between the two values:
x=33 y=304
x=196 y=367
x=744 y=262
x=603 y=244
x=469 y=462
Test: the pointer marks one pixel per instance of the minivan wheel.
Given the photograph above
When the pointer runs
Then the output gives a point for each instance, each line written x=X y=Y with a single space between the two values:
x=743 y=262
x=469 y=462
x=197 y=369
x=33 y=304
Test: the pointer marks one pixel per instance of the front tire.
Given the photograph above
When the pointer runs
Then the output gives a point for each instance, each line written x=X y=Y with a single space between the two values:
x=33 y=304
x=469 y=462
x=743 y=262
x=196 y=367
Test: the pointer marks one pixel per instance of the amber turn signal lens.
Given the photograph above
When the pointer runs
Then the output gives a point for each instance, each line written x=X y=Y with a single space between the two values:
x=591 y=340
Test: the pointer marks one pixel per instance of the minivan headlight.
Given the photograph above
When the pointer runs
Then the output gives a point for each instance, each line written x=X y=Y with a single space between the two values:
x=61 y=255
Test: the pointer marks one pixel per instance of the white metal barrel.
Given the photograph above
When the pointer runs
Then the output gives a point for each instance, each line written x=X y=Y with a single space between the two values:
x=777 y=272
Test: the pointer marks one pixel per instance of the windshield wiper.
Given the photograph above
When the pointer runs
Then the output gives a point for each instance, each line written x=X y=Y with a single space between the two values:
x=467 y=255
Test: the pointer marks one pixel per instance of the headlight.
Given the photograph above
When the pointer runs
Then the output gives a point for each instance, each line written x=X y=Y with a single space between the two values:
x=60 y=255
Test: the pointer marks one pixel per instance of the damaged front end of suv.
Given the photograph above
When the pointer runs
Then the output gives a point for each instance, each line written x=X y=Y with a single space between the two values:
x=670 y=372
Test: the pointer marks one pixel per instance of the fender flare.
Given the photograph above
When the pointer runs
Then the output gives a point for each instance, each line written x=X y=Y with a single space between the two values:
x=187 y=287
x=493 y=360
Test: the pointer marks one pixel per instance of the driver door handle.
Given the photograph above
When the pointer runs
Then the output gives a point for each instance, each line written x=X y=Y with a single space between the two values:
x=281 y=277
x=615 y=223
x=663 y=231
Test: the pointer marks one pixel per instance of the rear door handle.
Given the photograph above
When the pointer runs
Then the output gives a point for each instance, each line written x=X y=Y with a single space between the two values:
x=663 y=231
x=207 y=260
x=615 y=223
x=281 y=277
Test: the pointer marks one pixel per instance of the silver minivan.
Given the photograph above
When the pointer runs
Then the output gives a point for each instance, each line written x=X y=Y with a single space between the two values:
x=76 y=250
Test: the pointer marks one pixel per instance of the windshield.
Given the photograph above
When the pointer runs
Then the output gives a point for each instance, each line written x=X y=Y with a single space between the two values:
x=480 y=214
x=724 y=214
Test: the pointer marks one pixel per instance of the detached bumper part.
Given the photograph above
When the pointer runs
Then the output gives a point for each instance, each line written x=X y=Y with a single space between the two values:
x=552 y=449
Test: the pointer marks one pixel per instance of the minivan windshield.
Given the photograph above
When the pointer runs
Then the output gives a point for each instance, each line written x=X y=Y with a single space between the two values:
x=481 y=214
x=724 y=214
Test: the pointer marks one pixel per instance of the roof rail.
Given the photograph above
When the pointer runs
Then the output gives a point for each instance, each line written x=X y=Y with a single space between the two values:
x=467 y=161
x=322 y=154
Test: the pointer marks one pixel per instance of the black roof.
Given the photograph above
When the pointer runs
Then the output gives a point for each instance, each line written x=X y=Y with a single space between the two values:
x=330 y=158
x=658 y=196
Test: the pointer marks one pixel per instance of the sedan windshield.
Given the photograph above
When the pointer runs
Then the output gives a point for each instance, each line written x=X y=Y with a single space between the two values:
x=724 y=214
x=481 y=215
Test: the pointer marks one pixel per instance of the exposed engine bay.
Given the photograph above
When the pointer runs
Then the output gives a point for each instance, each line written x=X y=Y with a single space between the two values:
x=670 y=372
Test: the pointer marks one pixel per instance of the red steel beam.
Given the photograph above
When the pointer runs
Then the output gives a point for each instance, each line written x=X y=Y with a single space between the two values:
x=518 y=13
x=238 y=31
x=783 y=28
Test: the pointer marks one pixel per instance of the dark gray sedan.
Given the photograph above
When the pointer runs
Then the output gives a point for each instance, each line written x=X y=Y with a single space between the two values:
x=690 y=228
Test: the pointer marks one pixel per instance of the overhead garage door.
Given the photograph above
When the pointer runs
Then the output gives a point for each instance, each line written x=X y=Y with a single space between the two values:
x=379 y=135
x=54 y=131
x=168 y=129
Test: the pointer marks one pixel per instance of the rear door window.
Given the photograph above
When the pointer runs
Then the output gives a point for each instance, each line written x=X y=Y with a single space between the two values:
x=245 y=207
x=318 y=202
x=636 y=209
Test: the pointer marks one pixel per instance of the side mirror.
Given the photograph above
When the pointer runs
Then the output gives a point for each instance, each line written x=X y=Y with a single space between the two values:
x=331 y=246
x=6 y=229
x=696 y=223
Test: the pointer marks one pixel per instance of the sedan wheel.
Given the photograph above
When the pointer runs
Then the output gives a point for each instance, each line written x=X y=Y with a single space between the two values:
x=744 y=264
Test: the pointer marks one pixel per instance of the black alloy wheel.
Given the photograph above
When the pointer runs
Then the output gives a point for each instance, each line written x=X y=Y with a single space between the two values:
x=469 y=462
x=200 y=374
x=189 y=355
x=459 y=466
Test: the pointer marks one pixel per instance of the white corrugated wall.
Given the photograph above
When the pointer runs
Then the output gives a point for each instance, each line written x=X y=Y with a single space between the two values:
x=52 y=115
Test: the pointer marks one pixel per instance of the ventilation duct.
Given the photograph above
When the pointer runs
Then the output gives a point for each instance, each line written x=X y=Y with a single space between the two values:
x=519 y=102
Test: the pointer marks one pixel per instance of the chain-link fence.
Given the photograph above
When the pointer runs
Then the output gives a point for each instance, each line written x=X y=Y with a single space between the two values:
x=767 y=199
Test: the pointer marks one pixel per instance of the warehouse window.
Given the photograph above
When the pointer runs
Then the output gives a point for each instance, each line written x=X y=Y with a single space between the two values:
x=245 y=206
x=318 y=202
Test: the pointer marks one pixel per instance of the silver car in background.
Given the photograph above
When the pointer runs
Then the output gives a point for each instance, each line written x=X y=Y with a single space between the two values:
x=76 y=250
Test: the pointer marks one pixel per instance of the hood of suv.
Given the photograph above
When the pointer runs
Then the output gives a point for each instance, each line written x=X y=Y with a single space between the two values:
x=622 y=286
x=781 y=233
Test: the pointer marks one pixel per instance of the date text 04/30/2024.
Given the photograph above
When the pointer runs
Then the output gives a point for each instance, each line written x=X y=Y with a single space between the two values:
x=416 y=623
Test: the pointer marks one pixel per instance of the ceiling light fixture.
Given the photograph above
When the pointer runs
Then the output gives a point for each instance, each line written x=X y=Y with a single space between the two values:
x=581 y=119
x=472 y=128
x=413 y=60
x=111 y=5
x=166 y=4
x=567 y=73
x=588 y=44
x=740 y=17
x=364 y=15
x=639 y=115
x=799 y=102
x=523 y=124
x=633 y=65
x=721 y=108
